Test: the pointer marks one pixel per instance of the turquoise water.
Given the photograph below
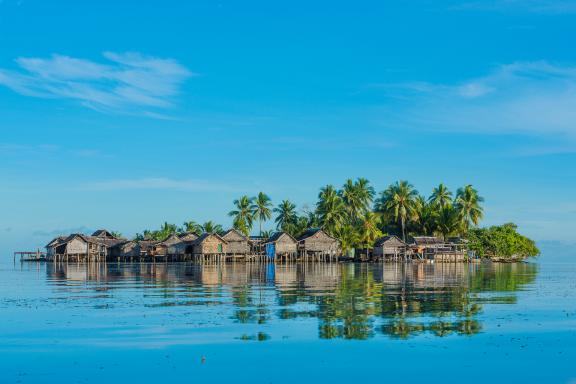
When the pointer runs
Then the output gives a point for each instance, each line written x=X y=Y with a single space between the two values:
x=288 y=323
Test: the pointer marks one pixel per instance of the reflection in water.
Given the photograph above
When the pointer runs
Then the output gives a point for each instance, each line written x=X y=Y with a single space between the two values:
x=350 y=301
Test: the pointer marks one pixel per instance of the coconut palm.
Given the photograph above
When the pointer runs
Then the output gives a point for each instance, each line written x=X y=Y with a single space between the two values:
x=193 y=227
x=348 y=236
x=399 y=200
x=261 y=207
x=357 y=197
x=365 y=193
x=243 y=215
x=211 y=227
x=426 y=214
x=447 y=221
x=467 y=204
x=330 y=209
x=166 y=230
x=286 y=215
x=368 y=230
x=441 y=196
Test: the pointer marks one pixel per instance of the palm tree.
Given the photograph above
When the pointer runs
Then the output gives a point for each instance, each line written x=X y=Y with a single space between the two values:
x=426 y=214
x=447 y=221
x=330 y=209
x=441 y=196
x=286 y=215
x=166 y=230
x=348 y=236
x=243 y=215
x=365 y=193
x=399 y=200
x=211 y=227
x=261 y=207
x=467 y=204
x=368 y=230
x=193 y=227
x=357 y=196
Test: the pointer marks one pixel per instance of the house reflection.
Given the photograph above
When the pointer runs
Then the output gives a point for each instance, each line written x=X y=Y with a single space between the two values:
x=352 y=301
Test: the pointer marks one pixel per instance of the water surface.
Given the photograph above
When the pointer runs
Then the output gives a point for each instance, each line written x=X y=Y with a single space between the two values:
x=288 y=323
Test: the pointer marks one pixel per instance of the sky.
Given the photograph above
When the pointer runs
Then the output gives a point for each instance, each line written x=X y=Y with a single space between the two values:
x=124 y=115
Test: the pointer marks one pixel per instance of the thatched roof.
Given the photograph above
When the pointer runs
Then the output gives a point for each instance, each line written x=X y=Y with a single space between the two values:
x=103 y=233
x=278 y=235
x=205 y=236
x=170 y=240
x=92 y=239
x=427 y=240
x=56 y=241
x=389 y=240
x=233 y=235
x=188 y=236
x=312 y=232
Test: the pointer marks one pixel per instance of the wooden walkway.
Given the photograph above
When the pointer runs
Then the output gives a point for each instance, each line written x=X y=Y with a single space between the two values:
x=30 y=256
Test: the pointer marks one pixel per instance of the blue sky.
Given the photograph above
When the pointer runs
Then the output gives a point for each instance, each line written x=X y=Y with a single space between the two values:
x=122 y=116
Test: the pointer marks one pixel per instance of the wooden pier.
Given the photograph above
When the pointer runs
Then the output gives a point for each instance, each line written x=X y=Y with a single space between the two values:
x=36 y=256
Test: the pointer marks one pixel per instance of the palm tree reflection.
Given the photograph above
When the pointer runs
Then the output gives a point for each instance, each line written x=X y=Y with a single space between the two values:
x=350 y=301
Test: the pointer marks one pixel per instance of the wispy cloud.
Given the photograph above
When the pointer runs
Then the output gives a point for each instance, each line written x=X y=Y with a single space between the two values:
x=62 y=231
x=533 y=6
x=11 y=149
x=194 y=185
x=126 y=82
x=537 y=98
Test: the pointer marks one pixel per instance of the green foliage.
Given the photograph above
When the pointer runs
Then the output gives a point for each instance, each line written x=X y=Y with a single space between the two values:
x=211 y=227
x=243 y=215
x=330 y=209
x=193 y=227
x=467 y=204
x=116 y=234
x=399 y=201
x=286 y=216
x=347 y=215
x=261 y=208
x=501 y=241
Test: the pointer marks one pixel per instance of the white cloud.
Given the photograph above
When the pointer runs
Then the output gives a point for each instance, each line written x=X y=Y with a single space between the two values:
x=536 y=98
x=193 y=185
x=128 y=82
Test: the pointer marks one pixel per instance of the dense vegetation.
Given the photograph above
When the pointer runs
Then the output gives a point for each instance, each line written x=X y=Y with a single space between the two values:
x=358 y=216
x=501 y=241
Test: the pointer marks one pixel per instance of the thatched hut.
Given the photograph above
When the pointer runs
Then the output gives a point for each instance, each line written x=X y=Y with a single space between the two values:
x=435 y=248
x=166 y=246
x=104 y=234
x=209 y=244
x=389 y=246
x=52 y=246
x=127 y=249
x=237 y=242
x=281 y=244
x=188 y=236
x=315 y=242
x=80 y=247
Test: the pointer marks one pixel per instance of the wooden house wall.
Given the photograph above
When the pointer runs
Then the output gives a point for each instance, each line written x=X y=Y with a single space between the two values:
x=210 y=246
x=285 y=245
x=236 y=244
x=320 y=242
x=238 y=247
x=77 y=246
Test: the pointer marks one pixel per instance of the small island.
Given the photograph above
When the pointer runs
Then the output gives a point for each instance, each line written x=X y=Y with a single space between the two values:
x=352 y=223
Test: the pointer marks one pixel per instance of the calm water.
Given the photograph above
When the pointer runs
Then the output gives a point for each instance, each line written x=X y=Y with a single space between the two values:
x=288 y=323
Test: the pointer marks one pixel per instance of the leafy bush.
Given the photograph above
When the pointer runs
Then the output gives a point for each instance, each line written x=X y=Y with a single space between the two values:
x=501 y=241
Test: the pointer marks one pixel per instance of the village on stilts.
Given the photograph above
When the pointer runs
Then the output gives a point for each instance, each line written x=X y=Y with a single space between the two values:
x=315 y=245
x=347 y=224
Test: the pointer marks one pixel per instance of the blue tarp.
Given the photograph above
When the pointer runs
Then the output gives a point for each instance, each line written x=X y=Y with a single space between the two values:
x=270 y=250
